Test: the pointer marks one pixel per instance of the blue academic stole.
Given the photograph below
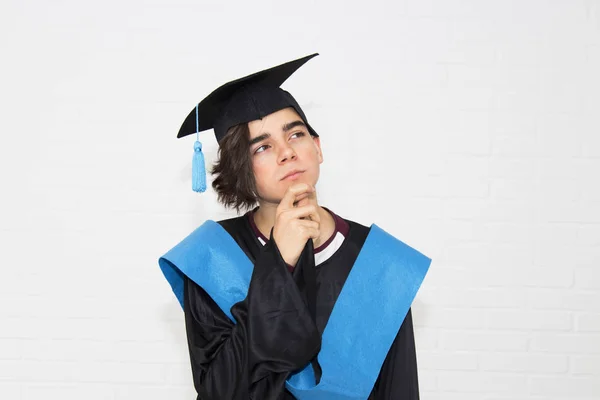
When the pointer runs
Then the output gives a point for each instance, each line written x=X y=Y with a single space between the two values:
x=364 y=321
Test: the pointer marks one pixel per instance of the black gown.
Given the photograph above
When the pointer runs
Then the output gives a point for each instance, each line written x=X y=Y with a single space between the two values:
x=279 y=325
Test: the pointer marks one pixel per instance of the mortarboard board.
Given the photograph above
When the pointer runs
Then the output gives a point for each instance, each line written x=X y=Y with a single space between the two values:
x=242 y=100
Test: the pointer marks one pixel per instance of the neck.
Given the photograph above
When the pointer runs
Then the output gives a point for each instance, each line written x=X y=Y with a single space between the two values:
x=264 y=218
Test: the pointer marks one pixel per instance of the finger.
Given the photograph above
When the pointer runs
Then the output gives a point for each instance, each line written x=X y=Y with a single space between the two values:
x=303 y=202
x=299 y=198
x=290 y=195
x=313 y=234
x=309 y=210
x=308 y=224
x=310 y=231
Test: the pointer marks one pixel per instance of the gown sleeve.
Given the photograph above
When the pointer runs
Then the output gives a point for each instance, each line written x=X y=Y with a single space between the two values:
x=398 y=378
x=274 y=335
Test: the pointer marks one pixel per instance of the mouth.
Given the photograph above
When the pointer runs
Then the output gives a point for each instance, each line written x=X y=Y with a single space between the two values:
x=292 y=175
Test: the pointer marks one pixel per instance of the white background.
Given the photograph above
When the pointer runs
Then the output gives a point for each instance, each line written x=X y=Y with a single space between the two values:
x=469 y=129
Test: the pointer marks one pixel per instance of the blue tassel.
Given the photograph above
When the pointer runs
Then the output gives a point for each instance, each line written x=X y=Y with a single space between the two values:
x=198 y=169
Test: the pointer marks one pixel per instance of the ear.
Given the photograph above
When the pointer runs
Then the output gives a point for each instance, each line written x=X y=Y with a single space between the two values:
x=317 y=142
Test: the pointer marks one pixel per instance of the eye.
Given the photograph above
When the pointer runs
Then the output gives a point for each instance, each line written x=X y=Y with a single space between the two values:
x=300 y=134
x=258 y=150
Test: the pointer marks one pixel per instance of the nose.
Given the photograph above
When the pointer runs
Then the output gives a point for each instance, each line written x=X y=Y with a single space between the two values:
x=286 y=153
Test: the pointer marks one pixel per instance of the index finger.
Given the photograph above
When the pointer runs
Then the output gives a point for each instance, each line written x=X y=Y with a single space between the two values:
x=290 y=195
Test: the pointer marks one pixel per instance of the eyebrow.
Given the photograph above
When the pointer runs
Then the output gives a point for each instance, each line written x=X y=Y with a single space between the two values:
x=286 y=127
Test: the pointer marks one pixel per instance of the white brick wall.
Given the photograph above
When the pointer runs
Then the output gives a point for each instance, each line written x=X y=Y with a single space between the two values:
x=468 y=128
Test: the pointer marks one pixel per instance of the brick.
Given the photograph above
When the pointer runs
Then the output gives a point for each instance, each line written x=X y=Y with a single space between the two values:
x=423 y=208
x=11 y=371
x=444 y=187
x=489 y=257
x=154 y=392
x=464 y=318
x=548 y=277
x=504 y=210
x=464 y=209
x=426 y=297
x=428 y=381
x=529 y=320
x=501 y=276
x=431 y=8
x=589 y=365
x=11 y=349
x=426 y=338
x=97 y=372
x=563 y=299
x=591 y=145
x=568 y=212
x=567 y=95
x=441 y=49
x=480 y=382
x=482 y=298
x=10 y=391
x=522 y=145
x=453 y=276
x=12 y=287
x=558 y=167
x=17 y=328
x=500 y=232
x=467 y=129
x=451 y=396
x=587 y=278
x=156 y=352
x=91 y=329
x=518 y=362
x=66 y=350
x=587 y=256
x=565 y=343
x=556 y=256
x=178 y=374
x=559 y=190
x=93 y=350
x=419 y=76
x=466 y=166
x=512 y=167
x=569 y=387
x=464 y=340
x=491 y=76
x=590 y=193
x=447 y=361
x=515 y=123
x=555 y=234
x=552 y=140
x=512 y=189
x=457 y=231
x=510 y=274
x=588 y=322
x=76 y=391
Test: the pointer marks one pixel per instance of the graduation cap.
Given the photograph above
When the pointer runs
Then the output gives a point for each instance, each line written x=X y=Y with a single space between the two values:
x=242 y=100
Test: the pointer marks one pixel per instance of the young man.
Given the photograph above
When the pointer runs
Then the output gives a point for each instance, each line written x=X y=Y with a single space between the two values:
x=289 y=300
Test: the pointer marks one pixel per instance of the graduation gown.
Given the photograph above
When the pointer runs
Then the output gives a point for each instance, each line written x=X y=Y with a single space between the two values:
x=279 y=324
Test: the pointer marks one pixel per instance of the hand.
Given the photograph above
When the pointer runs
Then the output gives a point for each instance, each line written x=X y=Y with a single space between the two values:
x=296 y=221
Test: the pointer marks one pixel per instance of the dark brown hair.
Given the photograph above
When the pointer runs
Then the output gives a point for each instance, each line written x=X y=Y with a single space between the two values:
x=234 y=182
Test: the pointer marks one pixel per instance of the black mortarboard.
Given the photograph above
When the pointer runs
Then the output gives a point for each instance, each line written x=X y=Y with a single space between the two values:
x=239 y=101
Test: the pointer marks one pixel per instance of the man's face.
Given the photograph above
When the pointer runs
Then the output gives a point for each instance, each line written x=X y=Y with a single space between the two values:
x=280 y=144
